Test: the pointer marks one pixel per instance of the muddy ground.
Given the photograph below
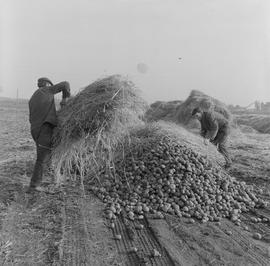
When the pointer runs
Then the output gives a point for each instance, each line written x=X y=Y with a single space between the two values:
x=67 y=227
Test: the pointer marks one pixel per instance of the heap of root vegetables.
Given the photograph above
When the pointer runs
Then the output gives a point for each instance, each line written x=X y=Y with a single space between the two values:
x=159 y=175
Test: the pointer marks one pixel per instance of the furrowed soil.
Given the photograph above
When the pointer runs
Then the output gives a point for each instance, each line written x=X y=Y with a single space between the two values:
x=67 y=226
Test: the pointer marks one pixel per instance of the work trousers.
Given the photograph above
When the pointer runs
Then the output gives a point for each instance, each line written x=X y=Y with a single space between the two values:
x=43 y=140
x=221 y=142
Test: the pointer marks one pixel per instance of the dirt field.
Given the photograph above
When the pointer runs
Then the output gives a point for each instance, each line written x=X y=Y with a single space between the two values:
x=66 y=227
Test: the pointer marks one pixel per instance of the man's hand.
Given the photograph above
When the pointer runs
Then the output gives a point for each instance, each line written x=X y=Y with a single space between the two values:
x=63 y=102
x=206 y=142
x=66 y=92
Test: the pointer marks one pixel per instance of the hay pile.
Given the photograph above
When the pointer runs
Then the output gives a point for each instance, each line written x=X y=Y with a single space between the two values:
x=259 y=122
x=94 y=122
x=161 y=174
x=199 y=99
x=180 y=112
x=162 y=110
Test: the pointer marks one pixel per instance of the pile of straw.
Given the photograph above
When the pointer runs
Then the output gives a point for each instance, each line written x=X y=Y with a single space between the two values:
x=93 y=123
x=180 y=112
x=162 y=110
x=199 y=99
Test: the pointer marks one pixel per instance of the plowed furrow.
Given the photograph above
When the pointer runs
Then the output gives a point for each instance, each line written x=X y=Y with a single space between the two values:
x=145 y=242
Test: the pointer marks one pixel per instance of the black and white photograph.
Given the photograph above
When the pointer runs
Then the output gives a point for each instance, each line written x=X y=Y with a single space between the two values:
x=135 y=132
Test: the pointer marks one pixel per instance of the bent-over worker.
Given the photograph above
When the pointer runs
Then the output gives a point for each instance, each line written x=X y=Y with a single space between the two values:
x=43 y=120
x=216 y=128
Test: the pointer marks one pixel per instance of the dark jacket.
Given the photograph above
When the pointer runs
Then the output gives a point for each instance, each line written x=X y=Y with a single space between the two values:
x=42 y=106
x=211 y=123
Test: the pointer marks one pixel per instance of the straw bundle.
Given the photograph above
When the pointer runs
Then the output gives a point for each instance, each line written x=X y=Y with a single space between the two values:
x=93 y=123
x=199 y=99
x=162 y=110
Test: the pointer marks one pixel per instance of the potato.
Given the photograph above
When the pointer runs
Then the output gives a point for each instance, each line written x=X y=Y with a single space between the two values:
x=118 y=237
x=139 y=226
x=112 y=225
x=155 y=253
x=110 y=215
x=228 y=232
x=257 y=236
x=133 y=249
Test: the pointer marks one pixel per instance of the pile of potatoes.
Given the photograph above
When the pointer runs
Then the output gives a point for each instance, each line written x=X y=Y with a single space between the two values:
x=164 y=176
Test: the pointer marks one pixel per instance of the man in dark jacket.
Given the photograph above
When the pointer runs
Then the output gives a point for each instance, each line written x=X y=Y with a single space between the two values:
x=43 y=119
x=216 y=128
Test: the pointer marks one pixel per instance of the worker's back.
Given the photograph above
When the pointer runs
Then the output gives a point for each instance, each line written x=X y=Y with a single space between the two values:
x=211 y=119
x=42 y=108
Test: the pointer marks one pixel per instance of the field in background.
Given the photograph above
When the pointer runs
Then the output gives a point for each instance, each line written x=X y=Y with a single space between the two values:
x=34 y=231
x=260 y=122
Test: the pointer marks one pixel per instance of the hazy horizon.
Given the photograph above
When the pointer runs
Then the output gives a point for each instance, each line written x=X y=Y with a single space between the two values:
x=223 y=46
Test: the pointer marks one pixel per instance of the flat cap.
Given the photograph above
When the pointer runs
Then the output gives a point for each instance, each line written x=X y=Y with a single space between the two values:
x=45 y=79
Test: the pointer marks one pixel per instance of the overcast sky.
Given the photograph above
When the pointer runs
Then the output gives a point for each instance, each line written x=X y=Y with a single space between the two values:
x=224 y=46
